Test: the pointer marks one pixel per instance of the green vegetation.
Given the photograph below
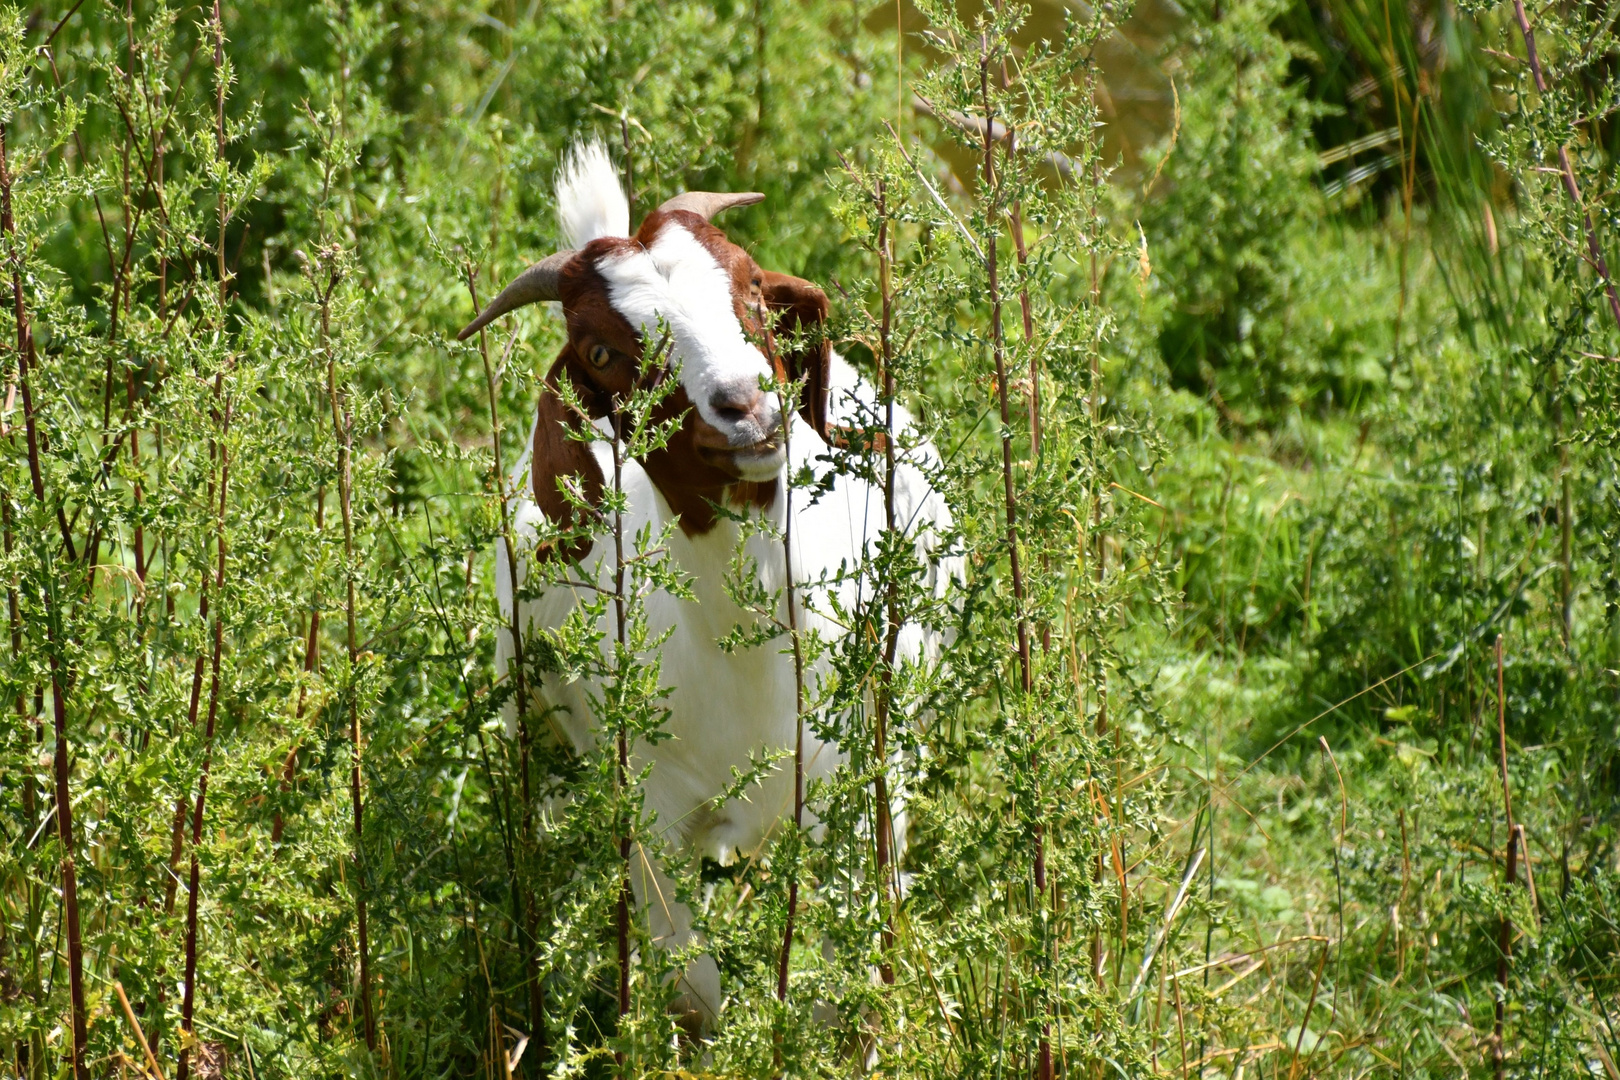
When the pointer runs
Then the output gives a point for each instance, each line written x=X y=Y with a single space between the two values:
x=1318 y=541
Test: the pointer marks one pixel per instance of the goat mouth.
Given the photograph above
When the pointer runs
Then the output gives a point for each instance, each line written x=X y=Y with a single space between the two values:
x=760 y=462
x=753 y=463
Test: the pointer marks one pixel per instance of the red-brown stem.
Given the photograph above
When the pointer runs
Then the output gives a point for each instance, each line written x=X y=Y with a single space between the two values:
x=1100 y=558
x=1595 y=252
x=998 y=349
x=120 y=272
x=312 y=652
x=14 y=617
x=519 y=671
x=129 y=376
x=891 y=635
x=135 y=468
x=64 y=826
x=118 y=269
x=1594 y=249
x=1015 y=218
x=798 y=704
x=219 y=152
x=342 y=429
x=177 y=830
x=1501 y=734
x=1504 y=945
x=63 y=776
x=1515 y=837
x=163 y=258
x=22 y=335
x=189 y=988
x=525 y=734
x=622 y=775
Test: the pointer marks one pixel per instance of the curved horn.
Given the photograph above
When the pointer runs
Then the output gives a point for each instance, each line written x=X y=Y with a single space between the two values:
x=706 y=204
x=537 y=283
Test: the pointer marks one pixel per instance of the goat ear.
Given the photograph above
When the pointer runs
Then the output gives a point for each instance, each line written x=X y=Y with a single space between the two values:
x=556 y=458
x=801 y=311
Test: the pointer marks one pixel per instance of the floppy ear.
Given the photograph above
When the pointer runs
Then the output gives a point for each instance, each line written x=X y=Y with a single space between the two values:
x=557 y=458
x=801 y=312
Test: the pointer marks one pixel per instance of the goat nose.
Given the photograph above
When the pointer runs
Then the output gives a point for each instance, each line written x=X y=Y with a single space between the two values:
x=738 y=403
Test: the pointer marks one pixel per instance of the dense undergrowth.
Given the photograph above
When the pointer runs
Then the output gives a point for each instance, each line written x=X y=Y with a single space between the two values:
x=1318 y=540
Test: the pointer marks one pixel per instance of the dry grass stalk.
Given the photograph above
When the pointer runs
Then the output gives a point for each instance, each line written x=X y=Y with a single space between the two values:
x=140 y=1036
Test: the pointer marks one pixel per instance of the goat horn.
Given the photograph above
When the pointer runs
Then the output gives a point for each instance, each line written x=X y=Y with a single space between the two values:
x=537 y=283
x=706 y=204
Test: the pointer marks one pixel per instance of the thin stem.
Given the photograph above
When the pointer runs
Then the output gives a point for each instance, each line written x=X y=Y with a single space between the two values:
x=26 y=359
x=14 y=618
x=891 y=635
x=343 y=428
x=519 y=670
x=189 y=988
x=1501 y=734
x=622 y=772
x=140 y=1036
x=219 y=494
x=177 y=829
x=219 y=153
x=1515 y=835
x=798 y=703
x=998 y=350
x=1504 y=957
x=1015 y=218
x=1566 y=509
x=1593 y=248
x=1310 y=1006
x=312 y=653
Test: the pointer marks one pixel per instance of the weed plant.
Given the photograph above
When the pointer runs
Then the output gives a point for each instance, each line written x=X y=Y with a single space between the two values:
x=1270 y=727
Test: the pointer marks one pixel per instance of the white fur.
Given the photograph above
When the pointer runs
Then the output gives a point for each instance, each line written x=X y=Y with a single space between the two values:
x=676 y=284
x=590 y=202
x=725 y=707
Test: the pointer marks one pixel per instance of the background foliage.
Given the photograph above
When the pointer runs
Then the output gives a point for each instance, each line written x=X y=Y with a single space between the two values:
x=1328 y=376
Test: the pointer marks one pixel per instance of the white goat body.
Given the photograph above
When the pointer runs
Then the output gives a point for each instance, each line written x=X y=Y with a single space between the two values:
x=680 y=278
x=726 y=708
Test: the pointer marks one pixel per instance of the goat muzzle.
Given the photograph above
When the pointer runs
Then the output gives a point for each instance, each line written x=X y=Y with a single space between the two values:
x=755 y=462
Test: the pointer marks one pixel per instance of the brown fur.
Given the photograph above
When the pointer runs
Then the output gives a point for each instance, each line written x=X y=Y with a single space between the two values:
x=692 y=472
x=558 y=459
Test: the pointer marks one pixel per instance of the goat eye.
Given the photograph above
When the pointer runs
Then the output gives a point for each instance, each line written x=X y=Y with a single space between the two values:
x=599 y=356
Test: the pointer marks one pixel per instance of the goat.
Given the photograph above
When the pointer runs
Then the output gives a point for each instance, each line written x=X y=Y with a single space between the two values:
x=680 y=279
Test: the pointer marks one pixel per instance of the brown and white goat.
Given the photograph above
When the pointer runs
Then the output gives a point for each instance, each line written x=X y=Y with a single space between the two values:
x=679 y=276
